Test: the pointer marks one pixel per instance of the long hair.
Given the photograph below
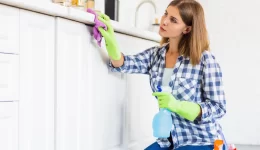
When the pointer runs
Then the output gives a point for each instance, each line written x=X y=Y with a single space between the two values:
x=196 y=41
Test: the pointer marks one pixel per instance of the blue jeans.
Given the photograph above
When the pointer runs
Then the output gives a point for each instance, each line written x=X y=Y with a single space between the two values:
x=156 y=146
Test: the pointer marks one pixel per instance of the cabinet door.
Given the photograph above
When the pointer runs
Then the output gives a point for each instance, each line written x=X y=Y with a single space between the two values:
x=8 y=126
x=9 y=29
x=90 y=99
x=141 y=105
x=36 y=107
x=72 y=108
x=9 y=77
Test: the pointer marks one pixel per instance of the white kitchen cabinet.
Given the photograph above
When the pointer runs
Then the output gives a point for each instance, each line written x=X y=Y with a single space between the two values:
x=36 y=105
x=55 y=81
x=141 y=105
x=90 y=99
x=72 y=111
x=9 y=77
x=9 y=29
x=9 y=125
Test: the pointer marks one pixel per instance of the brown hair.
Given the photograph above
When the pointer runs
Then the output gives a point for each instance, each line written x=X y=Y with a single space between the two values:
x=196 y=41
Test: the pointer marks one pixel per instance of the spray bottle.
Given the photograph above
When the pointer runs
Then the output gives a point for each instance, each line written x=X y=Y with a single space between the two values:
x=162 y=121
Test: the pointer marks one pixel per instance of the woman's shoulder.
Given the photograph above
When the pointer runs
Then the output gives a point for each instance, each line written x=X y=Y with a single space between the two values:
x=208 y=57
x=155 y=50
x=209 y=60
x=159 y=47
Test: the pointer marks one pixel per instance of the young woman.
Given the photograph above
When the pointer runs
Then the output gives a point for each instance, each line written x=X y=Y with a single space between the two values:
x=184 y=63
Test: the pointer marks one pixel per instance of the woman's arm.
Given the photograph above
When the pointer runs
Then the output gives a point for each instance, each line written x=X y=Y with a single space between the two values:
x=118 y=63
x=214 y=106
x=138 y=63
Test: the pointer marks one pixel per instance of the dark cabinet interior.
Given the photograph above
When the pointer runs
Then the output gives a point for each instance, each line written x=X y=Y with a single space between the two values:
x=111 y=9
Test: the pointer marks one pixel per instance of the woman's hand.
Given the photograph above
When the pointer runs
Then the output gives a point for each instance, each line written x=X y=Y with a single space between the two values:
x=186 y=109
x=166 y=100
x=109 y=35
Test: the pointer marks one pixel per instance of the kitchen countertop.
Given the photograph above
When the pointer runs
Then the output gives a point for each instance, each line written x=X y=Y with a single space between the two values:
x=57 y=10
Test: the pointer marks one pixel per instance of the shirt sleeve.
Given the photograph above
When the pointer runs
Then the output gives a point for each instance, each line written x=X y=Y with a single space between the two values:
x=214 y=106
x=138 y=63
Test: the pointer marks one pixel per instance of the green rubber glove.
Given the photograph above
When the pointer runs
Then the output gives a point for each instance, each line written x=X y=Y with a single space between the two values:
x=109 y=35
x=186 y=109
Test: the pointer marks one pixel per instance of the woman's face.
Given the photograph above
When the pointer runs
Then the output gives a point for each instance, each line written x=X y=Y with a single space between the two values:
x=171 y=25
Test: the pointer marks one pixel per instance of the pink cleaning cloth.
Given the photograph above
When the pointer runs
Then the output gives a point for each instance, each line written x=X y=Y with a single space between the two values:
x=97 y=35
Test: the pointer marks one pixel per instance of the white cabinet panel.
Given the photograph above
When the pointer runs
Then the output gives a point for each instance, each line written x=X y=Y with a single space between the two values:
x=141 y=105
x=72 y=93
x=9 y=125
x=36 y=107
x=9 y=29
x=9 y=77
x=109 y=103
x=90 y=98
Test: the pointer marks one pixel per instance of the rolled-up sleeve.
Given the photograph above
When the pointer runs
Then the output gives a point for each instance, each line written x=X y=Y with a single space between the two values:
x=214 y=105
x=138 y=63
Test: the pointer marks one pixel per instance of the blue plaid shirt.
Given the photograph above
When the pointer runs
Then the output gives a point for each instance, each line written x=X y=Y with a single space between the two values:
x=201 y=84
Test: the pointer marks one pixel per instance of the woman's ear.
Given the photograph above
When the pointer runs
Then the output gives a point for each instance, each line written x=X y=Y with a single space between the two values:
x=187 y=30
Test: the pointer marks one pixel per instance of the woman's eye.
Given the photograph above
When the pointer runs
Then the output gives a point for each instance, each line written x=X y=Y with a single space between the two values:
x=165 y=14
x=173 y=20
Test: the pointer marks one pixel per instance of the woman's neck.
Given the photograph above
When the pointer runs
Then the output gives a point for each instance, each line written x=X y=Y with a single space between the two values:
x=173 y=46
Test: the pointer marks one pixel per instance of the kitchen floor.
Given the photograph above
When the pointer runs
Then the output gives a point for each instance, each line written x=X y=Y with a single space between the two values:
x=247 y=147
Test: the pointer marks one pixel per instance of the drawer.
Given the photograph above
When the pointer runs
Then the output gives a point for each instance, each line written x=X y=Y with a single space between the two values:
x=9 y=77
x=9 y=29
x=8 y=126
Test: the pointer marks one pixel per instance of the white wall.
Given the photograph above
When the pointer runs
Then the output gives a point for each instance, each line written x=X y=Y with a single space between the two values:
x=233 y=27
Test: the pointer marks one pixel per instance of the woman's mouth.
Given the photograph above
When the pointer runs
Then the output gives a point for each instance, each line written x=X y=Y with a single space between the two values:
x=162 y=29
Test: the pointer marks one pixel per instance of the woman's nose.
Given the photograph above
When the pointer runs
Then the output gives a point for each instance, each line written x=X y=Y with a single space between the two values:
x=165 y=21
